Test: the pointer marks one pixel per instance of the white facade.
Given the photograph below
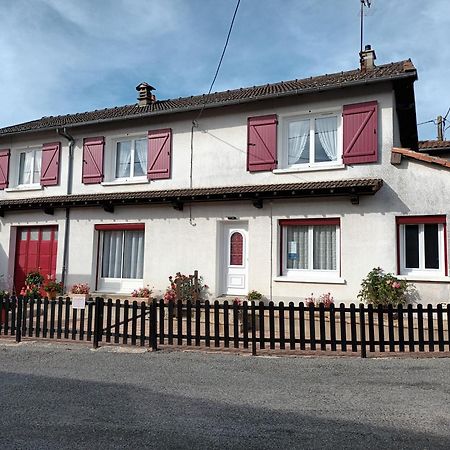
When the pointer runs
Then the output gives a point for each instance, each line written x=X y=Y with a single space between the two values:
x=197 y=236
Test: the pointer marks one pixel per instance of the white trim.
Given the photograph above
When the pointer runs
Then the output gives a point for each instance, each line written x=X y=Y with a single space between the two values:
x=425 y=278
x=122 y=181
x=25 y=187
x=421 y=272
x=309 y=275
x=282 y=142
x=308 y=279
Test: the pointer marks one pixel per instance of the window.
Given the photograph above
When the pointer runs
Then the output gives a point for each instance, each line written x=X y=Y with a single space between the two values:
x=131 y=158
x=422 y=246
x=312 y=140
x=121 y=256
x=29 y=167
x=310 y=246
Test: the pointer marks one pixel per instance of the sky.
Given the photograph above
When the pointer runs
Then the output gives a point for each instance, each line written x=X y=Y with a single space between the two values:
x=67 y=56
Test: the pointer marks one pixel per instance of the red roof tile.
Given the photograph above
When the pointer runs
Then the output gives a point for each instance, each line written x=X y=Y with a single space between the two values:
x=433 y=144
x=421 y=157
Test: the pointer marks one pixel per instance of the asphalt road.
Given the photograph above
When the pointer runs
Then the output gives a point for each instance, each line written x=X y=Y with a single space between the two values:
x=57 y=396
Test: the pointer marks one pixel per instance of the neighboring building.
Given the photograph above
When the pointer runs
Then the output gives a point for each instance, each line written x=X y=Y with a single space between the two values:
x=285 y=188
x=438 y=148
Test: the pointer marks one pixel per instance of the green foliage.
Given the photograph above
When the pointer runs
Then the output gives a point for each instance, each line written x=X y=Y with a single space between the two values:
x=34 y=278
x=254 y=296
x=380 y=288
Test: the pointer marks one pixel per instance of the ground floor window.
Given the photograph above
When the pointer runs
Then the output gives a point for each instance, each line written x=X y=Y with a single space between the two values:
x=310 y=246
x=421 y=245
x=121 y=256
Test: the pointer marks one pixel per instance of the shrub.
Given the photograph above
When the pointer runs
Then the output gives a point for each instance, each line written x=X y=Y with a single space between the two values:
x=188 y=290
x=380 y=288
x=52 y=286
x=254 y=296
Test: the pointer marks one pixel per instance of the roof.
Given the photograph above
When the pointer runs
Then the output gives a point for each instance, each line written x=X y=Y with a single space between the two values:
x=256 y=193
x=434 y=145
x=418 y=156
x=392 y=71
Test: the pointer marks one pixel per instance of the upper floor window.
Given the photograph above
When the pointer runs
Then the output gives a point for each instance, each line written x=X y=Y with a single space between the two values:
x=311 y=141
x=29 y=167
x=131 y=158
x=422 y=245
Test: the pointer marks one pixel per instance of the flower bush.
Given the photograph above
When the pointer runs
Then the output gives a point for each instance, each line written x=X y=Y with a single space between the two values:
x=80 y=288
x=327 y=300
x=33 y=285
x=380 y=288
x=142 y=293
x=51 y=286
x=189 y=292
x=254 y=296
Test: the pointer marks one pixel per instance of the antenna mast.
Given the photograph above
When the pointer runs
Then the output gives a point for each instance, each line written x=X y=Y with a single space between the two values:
x=365 y=3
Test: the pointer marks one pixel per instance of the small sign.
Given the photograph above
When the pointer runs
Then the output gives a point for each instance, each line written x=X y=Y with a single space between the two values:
x=78 y=303
x=292 y=250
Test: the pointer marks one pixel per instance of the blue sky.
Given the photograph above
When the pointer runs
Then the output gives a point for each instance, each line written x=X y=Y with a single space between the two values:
x=65 y=56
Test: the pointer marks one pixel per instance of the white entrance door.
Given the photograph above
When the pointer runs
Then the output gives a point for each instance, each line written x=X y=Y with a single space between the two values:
x=236 y=261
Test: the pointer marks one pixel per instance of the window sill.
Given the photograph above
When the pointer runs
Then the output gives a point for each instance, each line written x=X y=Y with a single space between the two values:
x=425 y=278
x=126 y=182
x=315 y=280
x=308 y=169
x=25 y=187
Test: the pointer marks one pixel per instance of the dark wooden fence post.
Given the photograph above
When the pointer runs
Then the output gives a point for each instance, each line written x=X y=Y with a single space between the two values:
x=98 y=321
x=362 y=324
x=153 y=326
x=253 y=328
x=19 y=319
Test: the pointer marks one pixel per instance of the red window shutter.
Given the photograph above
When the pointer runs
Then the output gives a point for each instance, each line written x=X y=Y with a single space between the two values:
x=159 y=154
x=50 y=164
x=93 y=149
x=360 y=133
x=4 y=168
x=262 y=143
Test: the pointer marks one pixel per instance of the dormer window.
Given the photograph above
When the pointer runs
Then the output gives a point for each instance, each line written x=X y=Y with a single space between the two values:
x=131 y=158
x=29 y=167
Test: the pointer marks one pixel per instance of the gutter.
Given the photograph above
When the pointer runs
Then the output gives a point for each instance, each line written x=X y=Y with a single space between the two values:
x=71 y=140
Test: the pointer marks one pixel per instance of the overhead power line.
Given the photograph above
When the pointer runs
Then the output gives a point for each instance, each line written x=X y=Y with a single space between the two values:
x=220 y=61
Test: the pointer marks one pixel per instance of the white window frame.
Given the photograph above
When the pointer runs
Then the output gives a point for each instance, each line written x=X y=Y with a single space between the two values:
x=322 y=114
x=311 y=273
x=421 y=270
x=116 y=285
x=17 y=154
x=113 y=160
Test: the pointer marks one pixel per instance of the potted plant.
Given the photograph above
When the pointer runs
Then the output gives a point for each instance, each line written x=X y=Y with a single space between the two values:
x=144 y=293
x=80 y=291
x=252 y=296
x=52 y=287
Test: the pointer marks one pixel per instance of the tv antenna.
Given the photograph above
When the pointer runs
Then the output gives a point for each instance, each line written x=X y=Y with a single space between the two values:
x=367 y=4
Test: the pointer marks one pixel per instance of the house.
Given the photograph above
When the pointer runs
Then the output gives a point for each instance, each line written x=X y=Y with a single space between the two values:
x=291 y=188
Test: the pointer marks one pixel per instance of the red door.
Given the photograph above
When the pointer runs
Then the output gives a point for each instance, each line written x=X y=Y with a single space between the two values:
x=36 y=249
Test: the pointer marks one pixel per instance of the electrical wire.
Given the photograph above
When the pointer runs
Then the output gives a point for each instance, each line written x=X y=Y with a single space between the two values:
x=220 y=61
x=195 y=121
x=428 y=121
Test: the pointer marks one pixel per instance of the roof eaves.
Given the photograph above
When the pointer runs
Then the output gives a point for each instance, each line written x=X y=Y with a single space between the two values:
x=420 y=157
x=408 y=74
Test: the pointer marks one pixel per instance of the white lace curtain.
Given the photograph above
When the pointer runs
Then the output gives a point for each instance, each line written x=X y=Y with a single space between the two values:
x=297 y=251
x=140 y=158
x=326 y=129
x=125 y=149
x=30 y=167
x=324 y=249
x=298 y=146
x=123 y=254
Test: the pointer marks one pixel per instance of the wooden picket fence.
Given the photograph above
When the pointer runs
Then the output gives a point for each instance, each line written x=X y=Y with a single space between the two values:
x=247 y=327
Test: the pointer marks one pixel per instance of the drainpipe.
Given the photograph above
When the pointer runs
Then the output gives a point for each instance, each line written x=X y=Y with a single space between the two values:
x=71 y=140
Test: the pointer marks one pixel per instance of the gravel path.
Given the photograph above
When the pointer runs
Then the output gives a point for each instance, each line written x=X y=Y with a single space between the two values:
x=68 y=396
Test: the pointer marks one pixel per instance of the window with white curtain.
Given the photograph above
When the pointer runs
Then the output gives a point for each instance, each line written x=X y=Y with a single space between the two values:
x=122 y=254
x=310 y=246
x=312 y=140
x=131 y=158
x=29 y=167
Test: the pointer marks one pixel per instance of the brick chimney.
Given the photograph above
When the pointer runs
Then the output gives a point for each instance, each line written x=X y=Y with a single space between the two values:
x=367 y=59
x=145 y=94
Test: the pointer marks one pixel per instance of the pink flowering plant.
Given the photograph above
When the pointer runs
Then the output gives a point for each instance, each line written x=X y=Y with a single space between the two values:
x=80 y=288
x=380 y=288
x=188 y=289
x=144 y=292
x=327 y=300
